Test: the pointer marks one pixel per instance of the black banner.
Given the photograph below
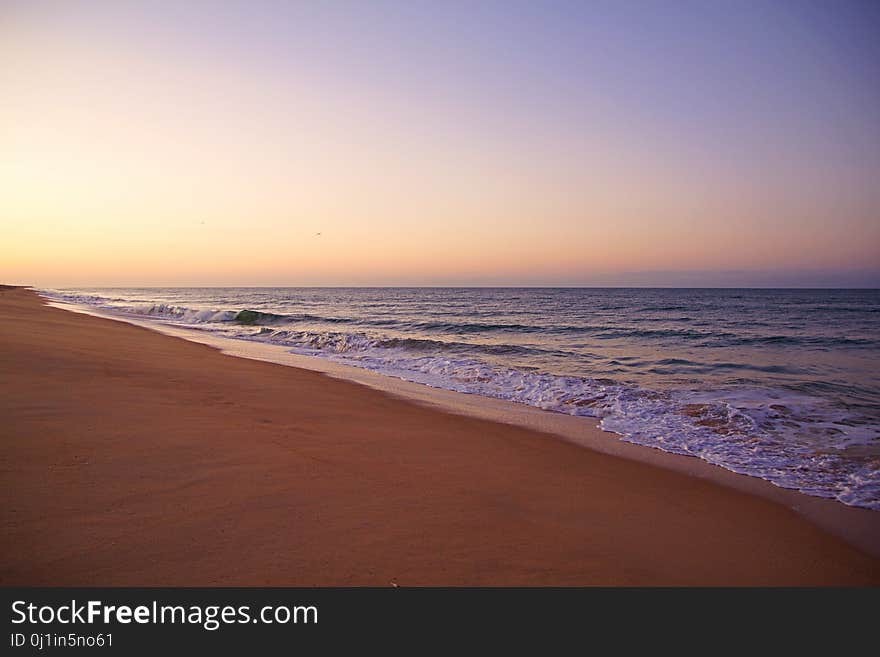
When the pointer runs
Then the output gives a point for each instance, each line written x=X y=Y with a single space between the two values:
x=157 y=620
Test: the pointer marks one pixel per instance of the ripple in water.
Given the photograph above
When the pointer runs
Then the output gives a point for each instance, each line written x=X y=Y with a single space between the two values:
x=778 y=384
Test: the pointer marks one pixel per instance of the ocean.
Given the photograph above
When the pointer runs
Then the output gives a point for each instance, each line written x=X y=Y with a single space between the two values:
x=778 y=384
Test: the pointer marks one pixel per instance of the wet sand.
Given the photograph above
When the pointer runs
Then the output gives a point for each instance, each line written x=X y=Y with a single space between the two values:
x=135 y=458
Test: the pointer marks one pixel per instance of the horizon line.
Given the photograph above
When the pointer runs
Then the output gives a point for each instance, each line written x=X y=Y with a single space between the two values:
x=459 y=287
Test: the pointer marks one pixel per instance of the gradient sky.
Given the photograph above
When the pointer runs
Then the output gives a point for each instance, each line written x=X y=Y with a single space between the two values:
x=429 y=143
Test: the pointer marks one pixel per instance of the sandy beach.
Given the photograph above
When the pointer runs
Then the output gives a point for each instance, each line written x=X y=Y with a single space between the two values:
x=135 y=458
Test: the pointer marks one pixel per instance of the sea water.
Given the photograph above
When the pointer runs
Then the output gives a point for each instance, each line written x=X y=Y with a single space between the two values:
x=778 y=384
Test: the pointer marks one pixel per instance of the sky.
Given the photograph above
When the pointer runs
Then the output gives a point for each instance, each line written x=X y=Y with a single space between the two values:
x=440 y=143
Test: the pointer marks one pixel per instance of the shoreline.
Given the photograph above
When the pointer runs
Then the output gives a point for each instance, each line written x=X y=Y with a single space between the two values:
x=135 y=459
x=858 y=526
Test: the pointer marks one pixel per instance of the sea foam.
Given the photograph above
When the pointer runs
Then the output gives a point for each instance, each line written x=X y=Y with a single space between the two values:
x=794 y=439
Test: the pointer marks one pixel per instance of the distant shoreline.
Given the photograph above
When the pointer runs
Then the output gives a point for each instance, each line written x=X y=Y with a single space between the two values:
x=136 y=459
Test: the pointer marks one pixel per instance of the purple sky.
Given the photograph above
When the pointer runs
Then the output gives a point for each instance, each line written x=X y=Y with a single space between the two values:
x=573 y=143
